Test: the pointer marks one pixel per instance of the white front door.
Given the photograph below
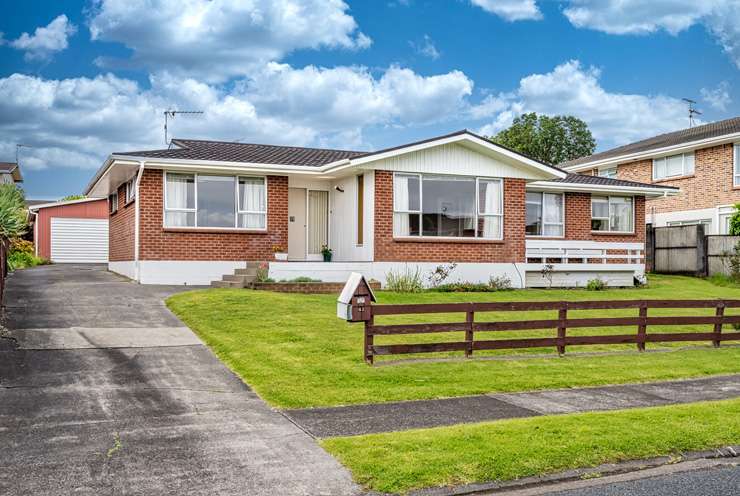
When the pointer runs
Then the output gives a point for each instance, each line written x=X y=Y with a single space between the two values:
x=296 y=223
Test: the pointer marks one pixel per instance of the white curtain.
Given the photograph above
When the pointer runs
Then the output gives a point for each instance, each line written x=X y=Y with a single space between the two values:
x=401 y=203
x=553 y=214
x=318 y=220
x=491 y=204
x=252 y=199
x=178 y=186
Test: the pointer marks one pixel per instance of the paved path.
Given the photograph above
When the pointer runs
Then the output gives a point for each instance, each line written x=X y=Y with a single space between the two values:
x=104 y=391
x=388 y=417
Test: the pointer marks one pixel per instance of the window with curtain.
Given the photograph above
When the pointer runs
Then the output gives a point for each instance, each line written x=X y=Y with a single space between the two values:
x=736 y=165
x=252 y=203
x=612 y=214
x=673 y=166
x=203 y=200
x=447 y=206
x=610 y=172
x=544 y=214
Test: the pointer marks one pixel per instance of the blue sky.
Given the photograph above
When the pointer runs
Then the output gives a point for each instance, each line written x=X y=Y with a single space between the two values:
x=92 y=77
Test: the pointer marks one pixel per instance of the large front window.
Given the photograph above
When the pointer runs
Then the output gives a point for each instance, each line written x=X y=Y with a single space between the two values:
x=201 y=200
x=544 y=214
x=612 y=214
x=447 y=206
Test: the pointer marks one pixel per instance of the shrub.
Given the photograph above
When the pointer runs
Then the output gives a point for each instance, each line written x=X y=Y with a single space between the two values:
x=407 y=282
x=301 y=279
x=596 y=284
x=499 y=283
x=18 y=244
x=21 y=255
x=440 y=274
x=263 y=271
x=463 y=287
x=12 y=211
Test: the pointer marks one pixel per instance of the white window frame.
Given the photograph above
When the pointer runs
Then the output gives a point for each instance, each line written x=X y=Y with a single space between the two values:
x=238 y=201
x=684 y=171
x=736 y=165
x=113 y=203
x=131 y=190
x=195 y=175
x=478 y=214
x=608 y=172
x=676 y=223
x=542 y=222
x=608 y=219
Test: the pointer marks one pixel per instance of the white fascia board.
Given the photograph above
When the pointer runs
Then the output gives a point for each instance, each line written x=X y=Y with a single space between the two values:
x=163 y=163
x=62 y=203
x=598 y=188
x=456 y=139
x=656 y=152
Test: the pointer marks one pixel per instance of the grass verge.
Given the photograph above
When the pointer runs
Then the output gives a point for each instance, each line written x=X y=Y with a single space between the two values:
x=511 y=449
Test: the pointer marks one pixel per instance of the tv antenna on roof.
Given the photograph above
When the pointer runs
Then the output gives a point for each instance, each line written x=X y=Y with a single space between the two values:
x=170 y=114
x=692 y=110
x=18 y=146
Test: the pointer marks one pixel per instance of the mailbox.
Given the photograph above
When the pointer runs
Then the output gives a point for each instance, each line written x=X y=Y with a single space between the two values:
x=354 y=302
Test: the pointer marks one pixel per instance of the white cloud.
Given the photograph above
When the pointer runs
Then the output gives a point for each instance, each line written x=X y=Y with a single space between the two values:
x=46 y=40
x=719 y=17
x=76 y=122
x=614 y=118
x=511 y=10
x=217 y=40
x=718 y=97
x=426 y=48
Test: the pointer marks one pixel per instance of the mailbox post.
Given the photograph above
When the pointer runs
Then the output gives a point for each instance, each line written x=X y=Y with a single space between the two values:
x=355 y=305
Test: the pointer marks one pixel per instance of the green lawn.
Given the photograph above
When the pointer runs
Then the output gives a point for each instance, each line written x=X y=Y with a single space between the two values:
x=294 y=351
x=510 y=449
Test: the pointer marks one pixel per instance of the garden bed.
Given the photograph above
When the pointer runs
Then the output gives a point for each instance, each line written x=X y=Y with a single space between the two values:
x=317 y=287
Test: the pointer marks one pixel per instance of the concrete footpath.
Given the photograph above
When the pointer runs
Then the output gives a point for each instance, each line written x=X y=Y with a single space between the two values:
x=104 y=391
x=388 y=417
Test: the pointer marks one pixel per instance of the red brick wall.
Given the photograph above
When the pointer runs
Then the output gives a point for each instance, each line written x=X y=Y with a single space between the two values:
x=711 y=184
x=121 y=229
x=511 y=249
x=158 y=243
x=578 y=220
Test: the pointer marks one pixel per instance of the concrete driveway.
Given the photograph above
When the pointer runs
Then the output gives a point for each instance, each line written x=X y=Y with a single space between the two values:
x=104 y=391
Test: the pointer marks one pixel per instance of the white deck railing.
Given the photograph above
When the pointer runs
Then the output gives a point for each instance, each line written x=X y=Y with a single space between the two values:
x=584 y=252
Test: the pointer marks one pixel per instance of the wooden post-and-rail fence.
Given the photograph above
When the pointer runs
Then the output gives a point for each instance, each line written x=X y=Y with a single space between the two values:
x=561 y=324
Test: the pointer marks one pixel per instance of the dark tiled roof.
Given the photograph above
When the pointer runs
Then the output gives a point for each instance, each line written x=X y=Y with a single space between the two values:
x=221 y=151
x=605 y=181
x=711 y=130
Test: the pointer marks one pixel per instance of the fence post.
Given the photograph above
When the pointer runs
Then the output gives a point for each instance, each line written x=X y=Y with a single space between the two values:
x=469 y=319
x=562 y=316
x=642 y=328
x=369 y=339
x=720 y=312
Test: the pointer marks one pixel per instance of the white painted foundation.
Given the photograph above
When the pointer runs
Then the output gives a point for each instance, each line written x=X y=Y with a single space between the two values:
x=126 y=268
x=191 y=273
x=578 y=275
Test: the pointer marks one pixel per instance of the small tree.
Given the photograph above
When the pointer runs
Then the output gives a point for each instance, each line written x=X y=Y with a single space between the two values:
x=12 y=211
x=735 y=221
x=549 y=139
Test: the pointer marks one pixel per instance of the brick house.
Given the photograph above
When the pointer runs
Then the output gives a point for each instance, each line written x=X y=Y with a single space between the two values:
x=703 y=161
x=201 y=209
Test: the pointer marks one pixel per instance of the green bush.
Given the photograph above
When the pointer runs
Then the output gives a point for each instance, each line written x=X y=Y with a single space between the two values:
x=463 y=287
x=301 y=279
x=499 y=283
x=22 y=260
x=596 y=285
x=407 y=282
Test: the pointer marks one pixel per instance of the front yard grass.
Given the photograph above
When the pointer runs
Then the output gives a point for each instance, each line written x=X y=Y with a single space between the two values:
x=511 y=449
x=294 y=351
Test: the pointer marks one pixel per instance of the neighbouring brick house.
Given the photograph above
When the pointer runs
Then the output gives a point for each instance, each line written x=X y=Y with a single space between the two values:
x=201 y=209
x=703 y=161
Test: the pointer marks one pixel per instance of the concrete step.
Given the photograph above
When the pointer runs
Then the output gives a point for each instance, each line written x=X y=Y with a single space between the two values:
x=239 y=278
x=251 y=271
x=226 y=284
x=253 y=265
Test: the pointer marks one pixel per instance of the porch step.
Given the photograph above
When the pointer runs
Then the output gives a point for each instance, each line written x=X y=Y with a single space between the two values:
x=249 y=271
x=226 y=284
x=241 y=278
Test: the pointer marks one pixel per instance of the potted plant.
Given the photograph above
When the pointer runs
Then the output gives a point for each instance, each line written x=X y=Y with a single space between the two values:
x=280 y=253
x=326 y=252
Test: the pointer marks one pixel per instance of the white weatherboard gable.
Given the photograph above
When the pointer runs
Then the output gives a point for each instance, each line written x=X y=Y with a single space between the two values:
x=454 y=158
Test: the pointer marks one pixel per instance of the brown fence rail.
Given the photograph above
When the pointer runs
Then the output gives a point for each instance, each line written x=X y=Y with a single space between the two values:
x=561 y=324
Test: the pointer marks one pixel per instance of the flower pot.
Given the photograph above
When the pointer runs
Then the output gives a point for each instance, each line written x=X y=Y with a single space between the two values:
x=281 y=256
x=327 y=257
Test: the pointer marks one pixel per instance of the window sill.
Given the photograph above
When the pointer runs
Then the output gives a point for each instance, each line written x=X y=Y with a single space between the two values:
x=535 y=236
x=674 y=178
x=129 y=202
x=428 y=239
x=613 y=233
x=212 y=230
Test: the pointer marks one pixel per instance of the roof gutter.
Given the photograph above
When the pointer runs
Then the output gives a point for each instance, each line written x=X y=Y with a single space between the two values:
x=655 y=152
x=599 y=188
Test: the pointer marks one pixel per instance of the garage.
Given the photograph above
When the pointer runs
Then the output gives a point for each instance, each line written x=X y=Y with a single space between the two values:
x=74 y=231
